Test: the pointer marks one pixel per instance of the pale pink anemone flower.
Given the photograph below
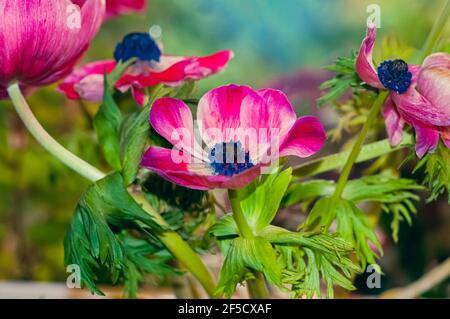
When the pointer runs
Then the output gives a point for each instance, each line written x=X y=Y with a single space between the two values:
x=232 y=158
x=39 y=44
x=419 y=95
x=118 y=7
x=151 y=69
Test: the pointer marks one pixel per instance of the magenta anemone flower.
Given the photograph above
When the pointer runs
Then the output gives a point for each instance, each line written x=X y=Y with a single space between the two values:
x=152 y=68
x=118 y=7
x=39 y=43
x=419 y=95
x=239 y=126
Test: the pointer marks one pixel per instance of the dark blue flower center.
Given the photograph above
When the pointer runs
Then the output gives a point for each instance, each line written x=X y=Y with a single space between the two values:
x=229 y=158
x=137 y=45
x=394 y=75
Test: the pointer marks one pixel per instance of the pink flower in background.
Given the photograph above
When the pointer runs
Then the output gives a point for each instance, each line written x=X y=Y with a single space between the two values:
x=225 y=116
x=152 y=68
x=118 y=7
x=38 y=43
x=419 y=95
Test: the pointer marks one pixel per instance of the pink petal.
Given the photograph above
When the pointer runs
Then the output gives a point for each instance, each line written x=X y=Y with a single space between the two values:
x=160 y=161
x=270 y=121
x=176 y=70
x=434 y=84
x=87 y=81
x=414 y=107
x=219 y=112
x=364 y=64
x=426 y=140
x=445 y=135
x=139 y=96
x=172 y=119
x=305 y=138
x=394 y=123
x=117 y=7
x=37 y=46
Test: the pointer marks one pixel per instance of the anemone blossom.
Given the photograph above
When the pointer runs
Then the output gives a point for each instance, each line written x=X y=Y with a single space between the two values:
x=152 y=68
x=419 y=95
x=38 y=43
x=244 y=131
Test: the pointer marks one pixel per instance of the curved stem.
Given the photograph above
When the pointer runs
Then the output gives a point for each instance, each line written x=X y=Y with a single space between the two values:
x=238 y=215
x=435 y=33
x=49 y=143
x=174 y=243
x=257 y=288
x=343 y=178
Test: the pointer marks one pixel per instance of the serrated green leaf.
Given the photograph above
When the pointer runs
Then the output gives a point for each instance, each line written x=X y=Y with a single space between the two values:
x=261 y=205
x=307 y=191
x=134 y=133
x=90 y=241
x=246 y=255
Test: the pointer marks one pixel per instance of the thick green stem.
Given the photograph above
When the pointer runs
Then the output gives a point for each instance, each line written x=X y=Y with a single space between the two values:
x=238 y=215
x=176 y=245
x=343 y=178
x=434 y=34
x=257 y=288
x=49 y=143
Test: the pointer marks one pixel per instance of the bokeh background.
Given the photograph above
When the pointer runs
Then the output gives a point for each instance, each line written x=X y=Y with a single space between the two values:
x=282 y=44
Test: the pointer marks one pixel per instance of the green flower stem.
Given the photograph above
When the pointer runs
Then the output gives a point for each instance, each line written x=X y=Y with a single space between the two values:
x=368 y=152
x=343 y=178
x=177 y=246
x=256 y=287
x=434 y=34
x=49 y=143
x=238 y=215
x=180 y=249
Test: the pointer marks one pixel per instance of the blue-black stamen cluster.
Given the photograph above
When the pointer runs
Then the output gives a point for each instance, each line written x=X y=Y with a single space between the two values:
x=394 y=75
x=137 y=45
x=229 y=158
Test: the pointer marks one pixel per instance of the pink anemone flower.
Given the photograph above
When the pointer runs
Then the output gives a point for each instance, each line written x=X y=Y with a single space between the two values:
x=244 y=131
x=419 y=95
x=152 y=68
x=39 y=41
x=118 y=7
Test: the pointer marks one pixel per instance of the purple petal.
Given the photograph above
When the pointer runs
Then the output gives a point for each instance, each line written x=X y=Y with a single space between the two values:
x=426 y=140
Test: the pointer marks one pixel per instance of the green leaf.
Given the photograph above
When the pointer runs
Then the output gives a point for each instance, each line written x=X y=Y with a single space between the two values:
x=134 y=133
x=261 y=205
x=305 y=192
x=91 y=242
x=107 y=126
x=352 y=225
x=311 y=256
x=246 y=255
x=436 y=167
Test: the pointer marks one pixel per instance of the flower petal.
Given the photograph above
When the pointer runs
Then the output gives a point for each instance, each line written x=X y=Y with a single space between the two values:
x=38 y=46
x=434 y=84
x=416 y=108
x=117 y=7
x=172 y=119
x=160 y=160
x=394 y=123
x=426 y=140
x=305 y=138
x=364 y=61
x=87 y=81
x=219 y=112
x=175 y=70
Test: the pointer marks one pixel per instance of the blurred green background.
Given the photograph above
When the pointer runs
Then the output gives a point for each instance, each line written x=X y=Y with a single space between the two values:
x=276 y=43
